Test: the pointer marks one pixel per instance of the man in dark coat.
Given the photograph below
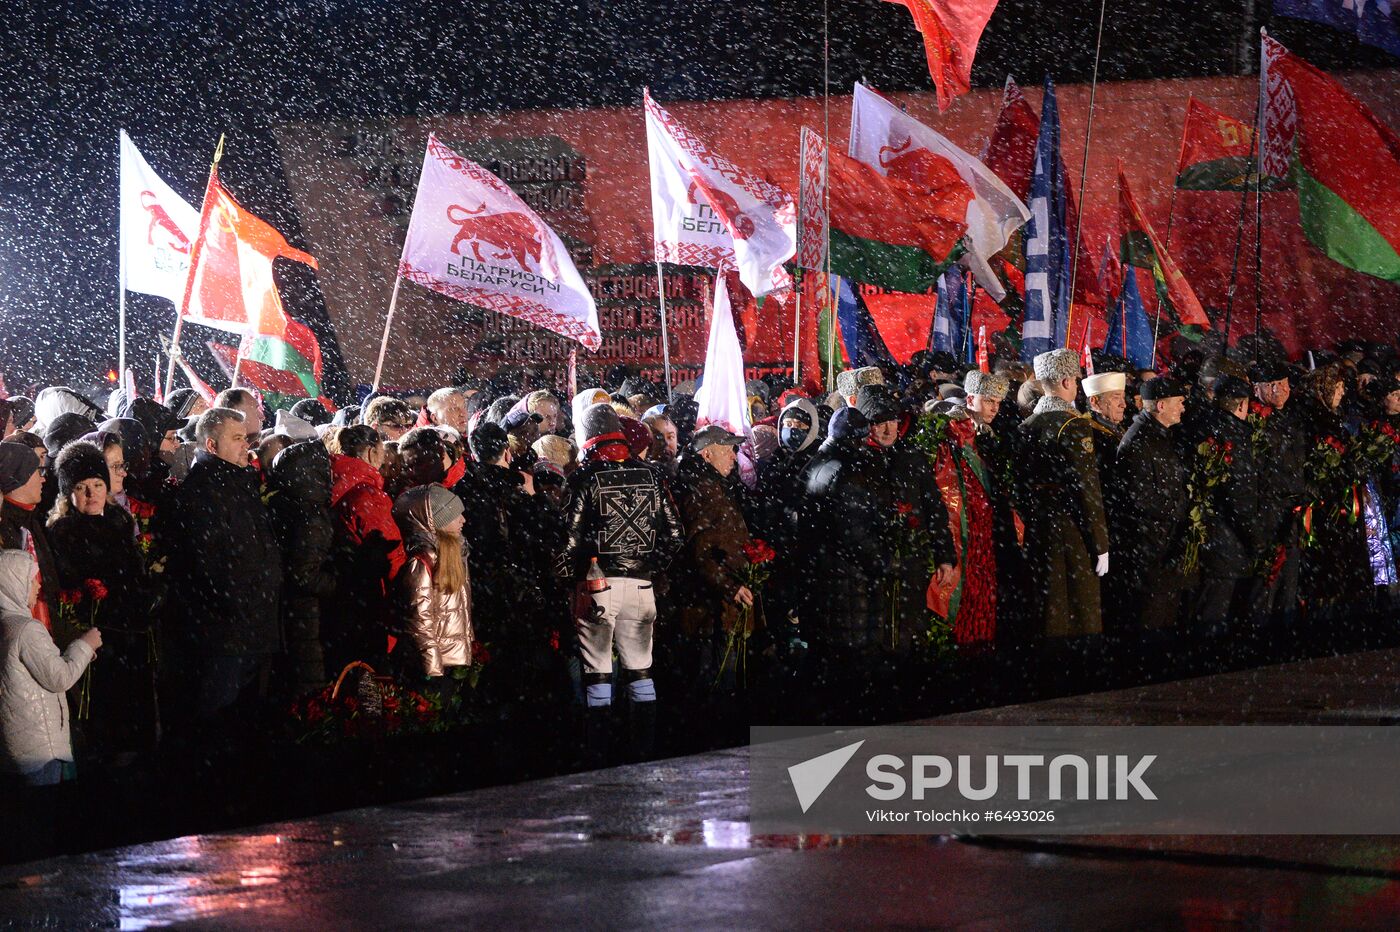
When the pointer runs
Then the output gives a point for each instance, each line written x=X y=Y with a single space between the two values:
x=301 y=518
x=706 y=579
x=843 y=538
x=1062 y=503
x=916 y=496
x=1281 y=453
x=776 y=507
x=1234 y=542
x=513 y=535
x=1148 y=504
x=225 y=573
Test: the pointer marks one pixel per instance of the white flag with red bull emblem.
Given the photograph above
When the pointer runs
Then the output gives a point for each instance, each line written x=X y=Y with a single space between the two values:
x=709 y=212
x=157 y=228
x=473 y=239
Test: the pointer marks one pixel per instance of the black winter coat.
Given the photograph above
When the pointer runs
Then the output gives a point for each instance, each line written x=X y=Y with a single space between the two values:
x=620 y=513
x=1146 y=497
x=225 y=566
x=845 y=543
x=1235 y=535
x=103 y=547
x=300 y=481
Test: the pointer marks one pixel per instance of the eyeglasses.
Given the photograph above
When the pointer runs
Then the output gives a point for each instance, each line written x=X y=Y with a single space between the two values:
x=118 y=467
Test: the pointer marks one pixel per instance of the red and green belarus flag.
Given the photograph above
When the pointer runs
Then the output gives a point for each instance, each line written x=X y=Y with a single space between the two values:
x=899 y=234
x=1142 y=249
x=231 y=287
x=1217 y=153
x=1345 y=164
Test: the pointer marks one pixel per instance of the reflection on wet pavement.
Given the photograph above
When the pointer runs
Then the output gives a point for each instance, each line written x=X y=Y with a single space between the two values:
x=668 y=844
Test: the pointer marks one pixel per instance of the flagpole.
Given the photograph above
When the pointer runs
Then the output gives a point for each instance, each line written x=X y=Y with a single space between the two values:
x=194 y=265
x=1239 y=218
x=1171 y=216
x=826 y=199
x=1258 y=208
x=388 y=323
x=1084 y=171
x=121 y=285
x=797 y=319
x=238 y=361
x=665 y=333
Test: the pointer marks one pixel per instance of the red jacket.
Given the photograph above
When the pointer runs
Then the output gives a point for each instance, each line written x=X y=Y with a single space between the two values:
x=362 y=507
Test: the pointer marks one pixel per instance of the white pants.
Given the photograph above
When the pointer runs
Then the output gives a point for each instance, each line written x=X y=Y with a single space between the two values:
x=623 y=615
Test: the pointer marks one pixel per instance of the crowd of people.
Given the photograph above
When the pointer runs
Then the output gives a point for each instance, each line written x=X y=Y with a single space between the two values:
x=173 y=571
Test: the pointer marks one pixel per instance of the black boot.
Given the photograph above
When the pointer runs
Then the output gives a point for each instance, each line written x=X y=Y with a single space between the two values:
x=641 y=730
x=597 y=738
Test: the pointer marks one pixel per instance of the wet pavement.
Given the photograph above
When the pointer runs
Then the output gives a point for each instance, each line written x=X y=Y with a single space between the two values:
x=667 y=844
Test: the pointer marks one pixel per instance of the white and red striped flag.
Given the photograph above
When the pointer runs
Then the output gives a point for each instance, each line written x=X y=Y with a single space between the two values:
x=811 y=201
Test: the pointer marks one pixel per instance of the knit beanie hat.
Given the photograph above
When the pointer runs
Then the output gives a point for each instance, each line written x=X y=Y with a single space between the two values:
x=78 y=462
x=17 y=463
x=599 y=423
x=877 y=403
x=443 y=504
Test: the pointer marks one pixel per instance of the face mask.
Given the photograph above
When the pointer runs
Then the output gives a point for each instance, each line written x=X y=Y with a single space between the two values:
x=791 y=437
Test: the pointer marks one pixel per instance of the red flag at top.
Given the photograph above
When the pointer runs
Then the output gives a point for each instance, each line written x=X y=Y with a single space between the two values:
x=951 y=31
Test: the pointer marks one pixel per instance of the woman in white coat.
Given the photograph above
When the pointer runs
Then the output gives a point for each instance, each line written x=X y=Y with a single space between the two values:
x=33 y=678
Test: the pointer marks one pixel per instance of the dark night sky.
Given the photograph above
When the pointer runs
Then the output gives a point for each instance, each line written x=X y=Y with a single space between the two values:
x=176 y=74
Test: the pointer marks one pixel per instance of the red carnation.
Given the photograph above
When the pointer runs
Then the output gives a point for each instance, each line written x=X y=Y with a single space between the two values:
x=903 y=508
x=95 y=589
x=70 y=596
x=756 y=551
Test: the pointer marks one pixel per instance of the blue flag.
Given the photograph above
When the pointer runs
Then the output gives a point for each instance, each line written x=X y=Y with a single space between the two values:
x=1046 y=242
x=949 y=313
x=1130 y=329
x=1371 y=21
x=864 y=345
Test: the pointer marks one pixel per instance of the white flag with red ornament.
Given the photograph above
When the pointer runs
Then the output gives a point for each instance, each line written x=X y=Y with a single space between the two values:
x=1279 y=112
x=157 y=227
x=709 y=212
x=984 y=350
x=722 y=398
x=811 y=201
x=895 y=144
x=473 y=239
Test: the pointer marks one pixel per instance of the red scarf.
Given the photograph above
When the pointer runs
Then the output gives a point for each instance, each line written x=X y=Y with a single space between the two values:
x=455 y=474
x=611 y=447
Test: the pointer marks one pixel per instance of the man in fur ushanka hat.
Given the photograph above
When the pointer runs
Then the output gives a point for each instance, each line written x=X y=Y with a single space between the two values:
x=1062 y=503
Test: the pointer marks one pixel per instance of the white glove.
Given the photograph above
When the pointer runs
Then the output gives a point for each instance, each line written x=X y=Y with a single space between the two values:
x=1102 y=567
